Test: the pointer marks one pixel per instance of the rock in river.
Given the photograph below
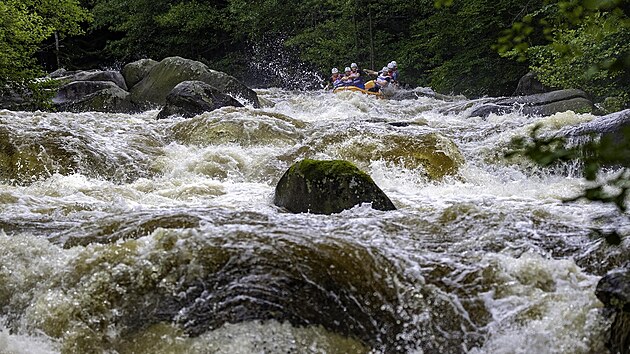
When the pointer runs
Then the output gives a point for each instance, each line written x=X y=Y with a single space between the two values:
x=153 y=89
x=327 y=187
x=190 y=98
x=614 y=291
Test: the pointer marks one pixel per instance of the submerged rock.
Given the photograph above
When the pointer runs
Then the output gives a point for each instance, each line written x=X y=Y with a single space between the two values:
x=135 y=71
x=435 y=156
x=327 y=187
x=237 y=126
x=614 y=291
x=542 y=104
x=162 y=78
x=190 y=98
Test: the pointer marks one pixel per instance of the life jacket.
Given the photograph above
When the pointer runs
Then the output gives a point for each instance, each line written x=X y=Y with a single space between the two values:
x=395 y=75
x=383 y=80
x=347 y=82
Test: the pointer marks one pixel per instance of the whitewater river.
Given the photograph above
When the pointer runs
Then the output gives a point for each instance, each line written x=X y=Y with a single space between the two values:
x=124 y=234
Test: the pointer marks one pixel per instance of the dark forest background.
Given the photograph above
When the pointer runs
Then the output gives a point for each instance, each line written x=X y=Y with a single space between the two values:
x=469 y=47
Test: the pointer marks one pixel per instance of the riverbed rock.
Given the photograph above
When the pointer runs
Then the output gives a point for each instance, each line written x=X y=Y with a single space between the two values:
x=327 y=187
x=135 y=71
x=153 y=89
x=190 y=98
x=106 y=75
x=542 y=104
x=13 y=100
x=530 y=85
x=614 y=291
x=93 y=96
x=613 y=132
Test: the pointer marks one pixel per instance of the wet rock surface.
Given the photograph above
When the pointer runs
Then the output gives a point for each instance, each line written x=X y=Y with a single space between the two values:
x=190 y=98
x=614 y=291
x=542 y=104
x=327 y=187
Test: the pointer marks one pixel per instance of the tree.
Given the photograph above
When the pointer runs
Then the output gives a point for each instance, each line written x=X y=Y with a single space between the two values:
x=576 y=44
x=25 y=24
x=451 y=46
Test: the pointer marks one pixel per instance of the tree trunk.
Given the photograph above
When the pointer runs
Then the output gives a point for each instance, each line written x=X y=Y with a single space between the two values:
x=57 y=49
x=371 y=37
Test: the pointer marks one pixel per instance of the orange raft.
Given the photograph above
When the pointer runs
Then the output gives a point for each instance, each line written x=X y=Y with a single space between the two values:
x=368 y=85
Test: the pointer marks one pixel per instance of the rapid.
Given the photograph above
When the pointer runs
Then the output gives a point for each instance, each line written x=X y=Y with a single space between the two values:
x=126 y=234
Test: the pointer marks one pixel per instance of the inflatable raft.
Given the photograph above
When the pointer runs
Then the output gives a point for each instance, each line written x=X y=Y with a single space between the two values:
x=368 y=85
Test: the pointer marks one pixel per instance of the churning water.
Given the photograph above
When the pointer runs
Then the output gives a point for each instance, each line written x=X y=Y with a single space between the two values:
x=125 y=234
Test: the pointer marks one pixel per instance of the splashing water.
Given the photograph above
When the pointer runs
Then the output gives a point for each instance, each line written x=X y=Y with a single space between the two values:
x=122 y=233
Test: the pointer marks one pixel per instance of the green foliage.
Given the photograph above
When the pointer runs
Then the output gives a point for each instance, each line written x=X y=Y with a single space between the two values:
x=575 y=44
x=20 y=32
x=452 y=46
x=609 y=150
x=24 y=25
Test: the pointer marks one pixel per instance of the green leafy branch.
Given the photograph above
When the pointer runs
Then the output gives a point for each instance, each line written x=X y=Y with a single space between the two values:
x=610 y=150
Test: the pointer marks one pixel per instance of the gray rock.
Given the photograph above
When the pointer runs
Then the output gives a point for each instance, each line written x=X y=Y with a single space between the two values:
x=530 y=85
x=153 y=89
x=613 y=132
x=327 y=187
x=190 y=98
x=614 y=291
x=109 y=75
x=12 y=100
x=612 y=123
x=542 y=104
x=98 y=96
x=135 y=71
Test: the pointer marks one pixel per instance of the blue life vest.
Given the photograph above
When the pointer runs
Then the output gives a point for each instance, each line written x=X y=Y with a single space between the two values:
x=358 y=82
x=395 y=75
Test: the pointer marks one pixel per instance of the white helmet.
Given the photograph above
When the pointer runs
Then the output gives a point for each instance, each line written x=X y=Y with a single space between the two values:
x=394 y=63
x=354 y=65
x=335 y=71
x=391 y=66
x=384 y=69
x=347 y=68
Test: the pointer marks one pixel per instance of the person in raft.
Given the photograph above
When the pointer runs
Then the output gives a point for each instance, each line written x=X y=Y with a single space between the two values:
x=394 y=71
x=347 y=80
x=355 y=75
x=335 y=79
x=383 y=80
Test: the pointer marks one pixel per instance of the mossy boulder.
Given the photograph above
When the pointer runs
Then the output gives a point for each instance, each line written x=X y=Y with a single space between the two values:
x=135 y=71
x=152 y=90
x=327 y=187
x=190 y=98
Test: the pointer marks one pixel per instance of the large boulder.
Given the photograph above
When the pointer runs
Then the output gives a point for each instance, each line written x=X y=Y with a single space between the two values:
x=190 y=98
x=13 y=100
x=154 y=88
x=327 y=187
x=107 y=75
x=542 y=104
x=135 y=71
x=613 y=132
x=98 y=96
x=530 y=85
x=614 y=291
